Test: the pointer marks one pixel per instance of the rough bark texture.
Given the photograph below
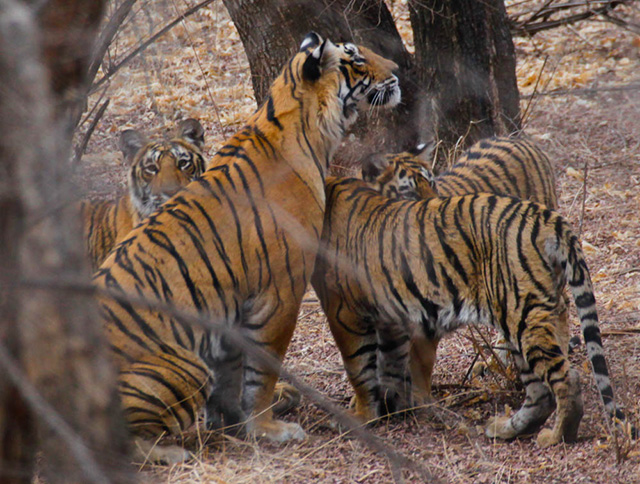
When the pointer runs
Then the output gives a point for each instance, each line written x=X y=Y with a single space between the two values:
x=53 y=353
x=460 y=83
x=465 y=60
x=271 y=31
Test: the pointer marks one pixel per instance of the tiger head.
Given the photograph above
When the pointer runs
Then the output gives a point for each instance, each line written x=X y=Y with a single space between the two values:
x=334 y=81
x=402 y=175
x=159 y=169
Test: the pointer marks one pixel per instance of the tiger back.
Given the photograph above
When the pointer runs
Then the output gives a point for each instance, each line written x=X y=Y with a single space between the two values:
x=234 y=246
x=394 y=270
x=514 y=167
x=157 y=170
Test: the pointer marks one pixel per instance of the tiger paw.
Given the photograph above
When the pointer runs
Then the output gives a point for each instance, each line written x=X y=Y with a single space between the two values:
x=276 y=430
x=547 y=438
x=146 y=451
x=285 y=398
x=501 y=428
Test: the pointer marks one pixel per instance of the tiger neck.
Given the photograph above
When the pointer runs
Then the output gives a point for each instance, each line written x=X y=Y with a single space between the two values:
x=307 y=118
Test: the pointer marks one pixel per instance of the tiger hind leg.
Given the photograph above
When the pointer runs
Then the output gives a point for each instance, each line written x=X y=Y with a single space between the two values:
x=162 y=395
x=535 y=411
x=259 y=382
x=545 y=346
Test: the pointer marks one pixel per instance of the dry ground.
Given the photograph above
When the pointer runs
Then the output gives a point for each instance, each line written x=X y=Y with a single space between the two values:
x=200 y=70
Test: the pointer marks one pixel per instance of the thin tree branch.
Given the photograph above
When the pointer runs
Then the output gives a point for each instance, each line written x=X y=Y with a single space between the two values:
x=81 y=148
x=107 y=36
x=108 y=75
x=531 y=27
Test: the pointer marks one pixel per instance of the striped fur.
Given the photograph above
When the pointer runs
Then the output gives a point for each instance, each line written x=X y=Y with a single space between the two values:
x=249 y=268
x=157 y=170
x=504 y=166
x=394 y=270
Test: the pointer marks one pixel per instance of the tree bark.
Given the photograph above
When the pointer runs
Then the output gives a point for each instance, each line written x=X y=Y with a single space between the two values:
x=466 y=61
x=55 y=370
x=271 y=31
x=460 y=84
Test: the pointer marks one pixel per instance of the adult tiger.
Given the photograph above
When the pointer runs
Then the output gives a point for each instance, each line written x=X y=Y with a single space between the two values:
x=504 y=166
x=249 y=268
x=157 y=170
x=515 y=167
x=394 y=270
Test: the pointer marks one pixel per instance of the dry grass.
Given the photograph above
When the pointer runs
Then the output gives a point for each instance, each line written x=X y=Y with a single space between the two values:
x=200 y=70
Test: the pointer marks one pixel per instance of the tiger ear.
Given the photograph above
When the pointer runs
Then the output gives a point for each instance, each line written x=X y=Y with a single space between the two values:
x=131 y=141
x=311 y=40
x=423 y=151
x=191 y=131
x=373 y=166
x=319 y=59
x=428 y=175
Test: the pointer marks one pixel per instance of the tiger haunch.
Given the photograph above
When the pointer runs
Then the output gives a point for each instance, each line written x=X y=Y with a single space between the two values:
x=393 y=270
x=238 y=245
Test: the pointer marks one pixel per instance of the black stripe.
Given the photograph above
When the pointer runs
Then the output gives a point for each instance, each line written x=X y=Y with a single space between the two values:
x=271 y=115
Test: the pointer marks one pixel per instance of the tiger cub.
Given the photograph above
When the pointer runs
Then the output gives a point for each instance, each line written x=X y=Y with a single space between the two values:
x=503 y=166
x=515 y=167
x=157 y=170
x=395 y=270
x=234 y=246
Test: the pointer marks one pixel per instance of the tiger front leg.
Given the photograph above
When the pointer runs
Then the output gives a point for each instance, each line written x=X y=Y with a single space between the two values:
x=422 y=358
x=394 y=369
x=224 y=410
x=259 y=379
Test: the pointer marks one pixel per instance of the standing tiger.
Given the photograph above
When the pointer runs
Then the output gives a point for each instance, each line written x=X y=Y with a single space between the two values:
x=503 y=166
x=157 y=170
x=249 y=268
x=394 y=270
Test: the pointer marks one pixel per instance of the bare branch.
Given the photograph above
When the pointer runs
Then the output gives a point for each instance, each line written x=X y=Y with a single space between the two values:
x=81 y=148
x=539 y=19
x=108 y=75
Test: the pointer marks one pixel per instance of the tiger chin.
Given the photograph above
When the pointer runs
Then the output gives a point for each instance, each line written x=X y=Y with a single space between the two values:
x=157 y=170
x=394 y=271
x=235 y=248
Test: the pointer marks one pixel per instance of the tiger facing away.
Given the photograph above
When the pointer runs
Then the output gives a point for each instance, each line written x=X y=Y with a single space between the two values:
x=249 y=268
x=395 y=270
x=503 y=166
x=157 y=170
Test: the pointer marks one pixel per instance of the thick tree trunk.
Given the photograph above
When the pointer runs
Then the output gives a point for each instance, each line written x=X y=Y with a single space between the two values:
x=55 y=370
x=271 y=31
x=466 y=62
x=460 y=84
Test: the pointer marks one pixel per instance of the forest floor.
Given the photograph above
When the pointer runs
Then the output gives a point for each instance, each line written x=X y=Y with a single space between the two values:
x=588 y=128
